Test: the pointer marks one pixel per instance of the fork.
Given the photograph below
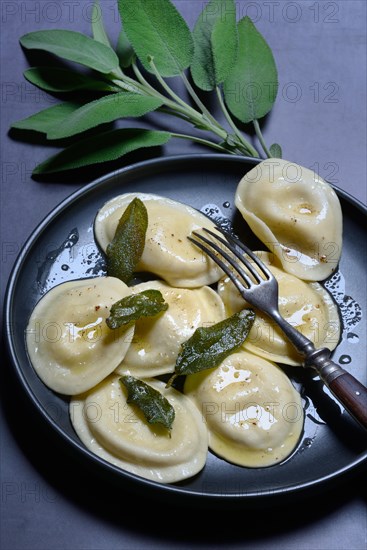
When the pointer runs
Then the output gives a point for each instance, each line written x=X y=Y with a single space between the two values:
x=258 y=286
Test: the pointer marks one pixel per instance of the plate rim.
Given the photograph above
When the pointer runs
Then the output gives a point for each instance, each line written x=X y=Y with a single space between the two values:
x=166 y=489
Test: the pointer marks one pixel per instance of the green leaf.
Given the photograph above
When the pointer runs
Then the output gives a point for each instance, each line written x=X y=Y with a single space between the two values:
x=155 y=407
x=127 y=246
x=147 y=303
x=216 y=42
x=46 y=119
x=209 y=346
x=276 y=151
x=102 y=148
x=73 y=46
x=124 y=50
x=54 y=79
x=98 y=30
x=156 y=29
x=251 y=88
x=101 y=111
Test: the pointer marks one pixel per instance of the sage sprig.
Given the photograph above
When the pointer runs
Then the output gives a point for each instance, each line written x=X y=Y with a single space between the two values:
x=220 y=56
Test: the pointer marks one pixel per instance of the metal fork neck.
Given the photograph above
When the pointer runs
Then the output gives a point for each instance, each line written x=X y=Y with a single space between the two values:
x=319 y=359
x=303 y=344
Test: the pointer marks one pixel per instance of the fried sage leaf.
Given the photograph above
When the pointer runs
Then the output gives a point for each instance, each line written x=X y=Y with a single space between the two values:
x=126 y=249
x=155 y=407
x=209 y=346
x=147 y=303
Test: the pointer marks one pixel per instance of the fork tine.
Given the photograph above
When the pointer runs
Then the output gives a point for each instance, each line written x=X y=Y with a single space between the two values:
x=234 y=251
x=225 y=255
x=215 y=258
x=247 y=250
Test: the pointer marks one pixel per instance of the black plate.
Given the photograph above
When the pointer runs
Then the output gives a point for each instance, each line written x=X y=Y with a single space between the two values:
x=62 y=248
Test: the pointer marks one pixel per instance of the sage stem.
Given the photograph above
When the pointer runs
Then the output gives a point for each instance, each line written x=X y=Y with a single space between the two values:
x=195 y=116
x=128 y=87
x=205 y=142
x=174 y=109
x=249 y=148
x=261 y=138
x=170 y=92
x=143 y=81
x=198 y=101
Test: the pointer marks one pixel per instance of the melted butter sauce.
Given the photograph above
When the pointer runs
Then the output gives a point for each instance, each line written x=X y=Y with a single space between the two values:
x=230 y=374
x=255 y=414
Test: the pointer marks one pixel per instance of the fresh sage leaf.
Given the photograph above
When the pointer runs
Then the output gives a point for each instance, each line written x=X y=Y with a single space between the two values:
x=251 y=87
x=124 y=50
x=98 y=30
x=54 y=79
x=156 y=30
x=155 y=407
x=147 y=303
x=46 y=119
x=209 y=346
x=276 y=151
x=73 y=46
x=101 y=111
x=216 y=41
x=127 y=246
x=103 y=147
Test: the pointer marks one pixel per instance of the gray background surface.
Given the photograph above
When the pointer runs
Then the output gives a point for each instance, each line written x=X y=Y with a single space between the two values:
x=47 y=500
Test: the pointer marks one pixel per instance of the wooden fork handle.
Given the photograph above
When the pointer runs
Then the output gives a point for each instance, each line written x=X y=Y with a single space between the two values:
x=352 y=394
x=347 y=389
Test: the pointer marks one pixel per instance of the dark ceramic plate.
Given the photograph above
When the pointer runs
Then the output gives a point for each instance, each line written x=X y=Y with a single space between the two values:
x=62 y=248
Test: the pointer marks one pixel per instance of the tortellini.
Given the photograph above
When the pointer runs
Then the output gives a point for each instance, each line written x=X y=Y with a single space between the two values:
x=157 y=340
x=167 y=253
x=68 y=341
x=296 y=214
x=119 y=433
x=306 y=306
x=253 y=413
